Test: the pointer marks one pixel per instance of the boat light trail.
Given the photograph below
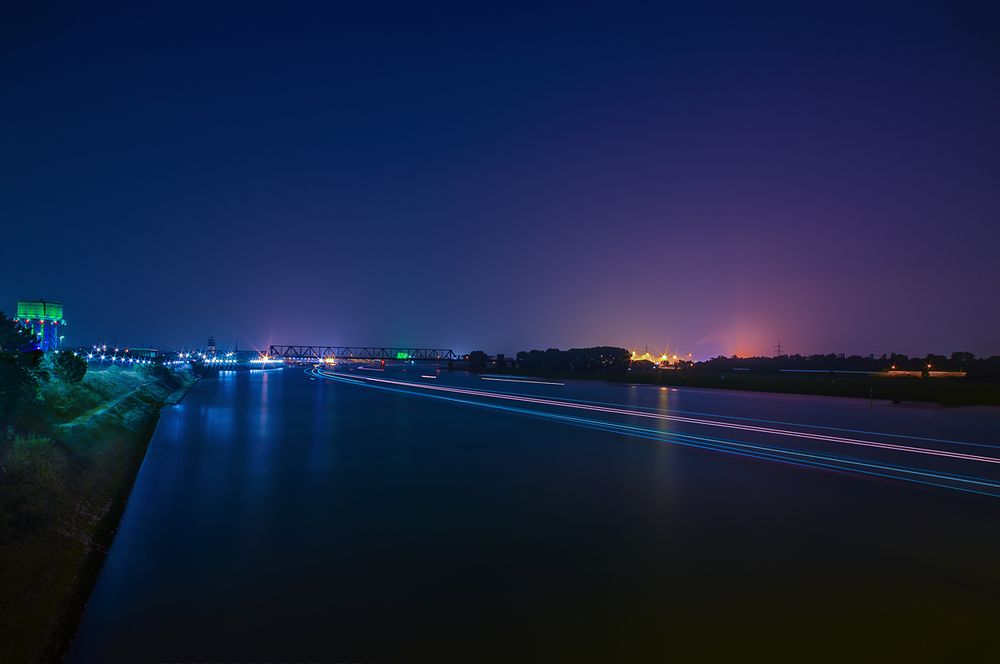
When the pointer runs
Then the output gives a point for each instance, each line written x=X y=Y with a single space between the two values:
x=696 y=421
x=519 y=380
x=926 y=439
x=800 y=458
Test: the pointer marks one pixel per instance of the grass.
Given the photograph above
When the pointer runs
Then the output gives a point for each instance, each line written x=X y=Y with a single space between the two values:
x=64 y=480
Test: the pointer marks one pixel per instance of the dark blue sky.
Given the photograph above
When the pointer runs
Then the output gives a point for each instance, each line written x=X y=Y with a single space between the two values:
x=508 y=178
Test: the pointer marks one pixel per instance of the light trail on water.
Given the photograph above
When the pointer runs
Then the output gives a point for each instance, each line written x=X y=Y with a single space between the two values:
x=517 y=380
x=690 y=420
x=804 y=458
x=818 y=427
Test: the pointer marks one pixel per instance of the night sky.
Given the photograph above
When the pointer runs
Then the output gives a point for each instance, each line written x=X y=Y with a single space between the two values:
x=507 y=178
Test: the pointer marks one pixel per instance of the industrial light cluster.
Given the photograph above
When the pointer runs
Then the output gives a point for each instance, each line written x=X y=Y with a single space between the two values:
x=662 y=360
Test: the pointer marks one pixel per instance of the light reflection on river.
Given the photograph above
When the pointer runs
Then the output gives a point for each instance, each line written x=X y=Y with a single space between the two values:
x=278 y=518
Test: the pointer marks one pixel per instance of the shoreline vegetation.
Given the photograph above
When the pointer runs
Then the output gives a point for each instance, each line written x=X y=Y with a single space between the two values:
x=70 y=450
x=956 y=380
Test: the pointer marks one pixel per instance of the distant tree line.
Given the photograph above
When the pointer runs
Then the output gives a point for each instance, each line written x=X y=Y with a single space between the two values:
x=596 y=360
x=609 y=360
x=981 y=368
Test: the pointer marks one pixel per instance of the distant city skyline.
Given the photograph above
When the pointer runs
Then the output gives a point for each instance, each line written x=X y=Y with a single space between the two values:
x=708 y=182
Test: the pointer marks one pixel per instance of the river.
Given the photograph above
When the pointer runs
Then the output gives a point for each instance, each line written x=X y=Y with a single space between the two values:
x=283 y=517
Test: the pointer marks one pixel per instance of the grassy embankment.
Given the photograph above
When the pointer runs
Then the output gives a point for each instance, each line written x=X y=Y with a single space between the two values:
x=943 y=391
x=64 y=478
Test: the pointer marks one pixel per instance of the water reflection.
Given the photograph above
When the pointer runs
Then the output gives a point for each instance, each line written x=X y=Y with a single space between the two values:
x=280 y=519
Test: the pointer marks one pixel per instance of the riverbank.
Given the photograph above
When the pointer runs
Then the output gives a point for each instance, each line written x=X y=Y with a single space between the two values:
x=942 y=391
x=66 y=476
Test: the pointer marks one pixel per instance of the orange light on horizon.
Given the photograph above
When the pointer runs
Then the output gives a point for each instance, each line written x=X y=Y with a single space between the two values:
x=664 y=357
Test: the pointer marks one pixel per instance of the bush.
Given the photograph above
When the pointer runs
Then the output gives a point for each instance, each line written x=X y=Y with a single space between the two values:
x=69 y=367
x=478 y=359
x=158 y=371
x=18 y=371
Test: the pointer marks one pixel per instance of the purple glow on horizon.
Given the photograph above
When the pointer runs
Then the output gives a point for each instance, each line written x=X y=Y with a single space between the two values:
x=708 y=182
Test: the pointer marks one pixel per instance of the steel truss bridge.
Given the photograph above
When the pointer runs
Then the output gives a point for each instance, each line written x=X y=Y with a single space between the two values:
x=359 y=353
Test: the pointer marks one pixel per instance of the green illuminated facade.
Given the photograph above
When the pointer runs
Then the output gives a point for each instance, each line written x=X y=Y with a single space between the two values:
x=40 y=310
x=44 y=319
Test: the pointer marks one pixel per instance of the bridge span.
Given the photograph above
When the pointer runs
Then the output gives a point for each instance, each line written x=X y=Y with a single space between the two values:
x=359 y=353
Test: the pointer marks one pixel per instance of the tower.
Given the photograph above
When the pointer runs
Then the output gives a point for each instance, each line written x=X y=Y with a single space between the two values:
x=45 y=321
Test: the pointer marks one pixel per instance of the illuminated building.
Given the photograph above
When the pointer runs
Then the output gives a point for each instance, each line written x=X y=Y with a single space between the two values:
x=45 y=321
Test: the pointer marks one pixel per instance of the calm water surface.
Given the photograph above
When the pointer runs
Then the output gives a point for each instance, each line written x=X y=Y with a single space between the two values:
x=281 y=518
